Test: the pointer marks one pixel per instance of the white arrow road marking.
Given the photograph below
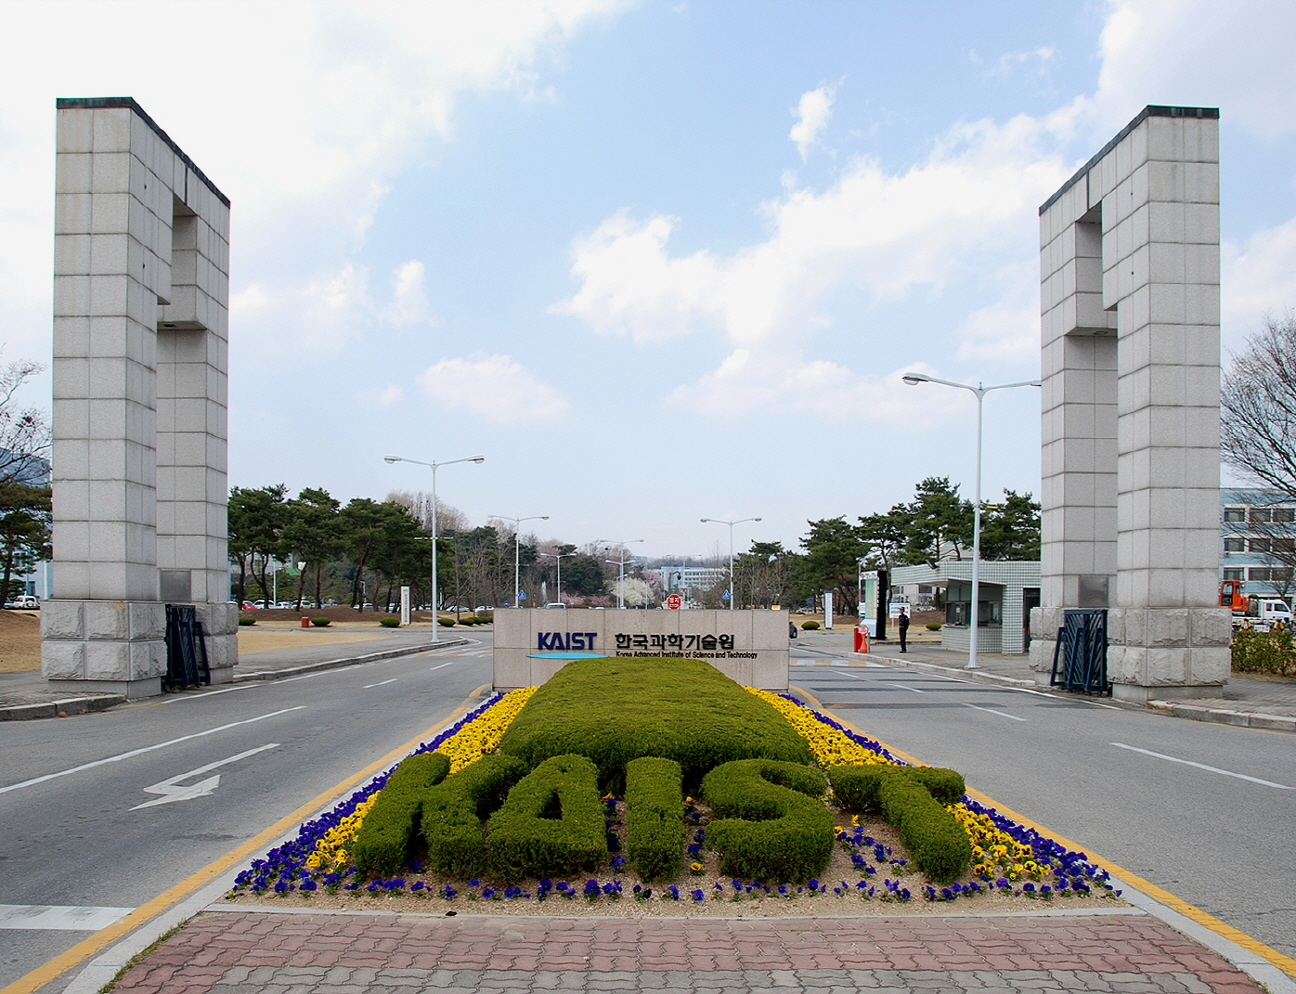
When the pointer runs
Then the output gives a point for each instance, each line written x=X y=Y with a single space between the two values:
x=1001 y=714
x=172 y=790
x=143 y=749
x=54 y=917
x=1203 y=766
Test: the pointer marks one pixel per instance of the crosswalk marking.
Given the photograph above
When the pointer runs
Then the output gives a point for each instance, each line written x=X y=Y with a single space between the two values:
x=55 y=917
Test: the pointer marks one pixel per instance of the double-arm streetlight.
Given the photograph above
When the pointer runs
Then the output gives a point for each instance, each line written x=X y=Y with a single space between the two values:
x=558 y=557
x=913 y=379
x=621 y=563
x=517 y=550
x=434 y=466
x=722 y=521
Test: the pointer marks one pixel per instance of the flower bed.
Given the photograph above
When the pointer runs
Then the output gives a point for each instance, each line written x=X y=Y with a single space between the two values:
x=1007 y=859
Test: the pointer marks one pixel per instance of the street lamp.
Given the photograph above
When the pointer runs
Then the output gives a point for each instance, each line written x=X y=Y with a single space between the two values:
x=517 y=549
x=722 y=521
x=558 y=557
x=913 y=379
x=621 y=578
x=436 y=624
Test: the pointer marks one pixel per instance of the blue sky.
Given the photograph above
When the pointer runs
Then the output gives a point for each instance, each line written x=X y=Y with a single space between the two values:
x=656 y=261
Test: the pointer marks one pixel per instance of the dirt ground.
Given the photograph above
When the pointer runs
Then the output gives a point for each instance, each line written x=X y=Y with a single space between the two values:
x=19 y=641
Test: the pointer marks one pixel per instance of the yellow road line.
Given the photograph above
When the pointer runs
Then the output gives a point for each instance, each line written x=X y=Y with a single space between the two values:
x=1191 y=911
x=94 y=944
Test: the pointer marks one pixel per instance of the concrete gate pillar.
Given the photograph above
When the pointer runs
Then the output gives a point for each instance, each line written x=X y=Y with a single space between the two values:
x=140 y=369
x=1129 y=285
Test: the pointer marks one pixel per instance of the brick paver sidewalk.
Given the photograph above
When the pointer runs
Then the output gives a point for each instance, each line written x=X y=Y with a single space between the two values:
x=253 y=950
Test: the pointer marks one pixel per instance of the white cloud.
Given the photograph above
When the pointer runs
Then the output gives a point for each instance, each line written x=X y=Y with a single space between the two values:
x=813 y=111
x=1258 y=278
x=393 y=394
x=409 y=298
x=1034 y=62
x=494 y=387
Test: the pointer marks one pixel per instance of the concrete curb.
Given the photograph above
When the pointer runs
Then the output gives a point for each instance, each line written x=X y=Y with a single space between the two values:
x=333 y=664
x=1226 y=716
x=1007 y=681
x=68 y=705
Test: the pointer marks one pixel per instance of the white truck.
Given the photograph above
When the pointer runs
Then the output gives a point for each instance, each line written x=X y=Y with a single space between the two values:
x=1260 y=613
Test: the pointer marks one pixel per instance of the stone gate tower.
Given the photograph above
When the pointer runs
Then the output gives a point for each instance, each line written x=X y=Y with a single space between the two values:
x=141 y=289
x=1129 y=267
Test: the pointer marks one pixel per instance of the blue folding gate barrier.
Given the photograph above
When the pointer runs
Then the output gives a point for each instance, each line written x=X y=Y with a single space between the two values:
x=1081 y=650
x=187 y=664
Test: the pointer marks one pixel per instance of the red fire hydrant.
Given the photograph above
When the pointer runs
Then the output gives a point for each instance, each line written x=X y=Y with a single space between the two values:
x=861 y=639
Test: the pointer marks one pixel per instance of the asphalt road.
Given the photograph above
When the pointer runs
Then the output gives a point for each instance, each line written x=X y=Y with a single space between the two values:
x=106 y=811
x=1205 y=811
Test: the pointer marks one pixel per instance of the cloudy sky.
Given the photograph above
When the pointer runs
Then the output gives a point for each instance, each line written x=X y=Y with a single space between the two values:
x=655 y=261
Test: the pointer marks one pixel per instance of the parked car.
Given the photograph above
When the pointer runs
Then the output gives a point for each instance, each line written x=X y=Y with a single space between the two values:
x=556 y=604
x=25 y=602
x=483 y=607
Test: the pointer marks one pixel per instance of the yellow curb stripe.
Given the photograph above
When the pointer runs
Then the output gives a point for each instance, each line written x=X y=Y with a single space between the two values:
x=88 y=947
x=1203 y=918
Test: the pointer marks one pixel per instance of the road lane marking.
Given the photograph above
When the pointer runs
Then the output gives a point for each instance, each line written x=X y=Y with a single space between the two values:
x=903 y=687
x=143 y=749
x=171 y=790
x=94 y=944
x=58 y=917
x=1002 y=714
x=442 y=666
x=1203 y=766
x=381 y=683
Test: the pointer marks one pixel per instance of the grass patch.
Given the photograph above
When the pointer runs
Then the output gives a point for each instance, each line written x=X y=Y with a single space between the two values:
x=615 y=710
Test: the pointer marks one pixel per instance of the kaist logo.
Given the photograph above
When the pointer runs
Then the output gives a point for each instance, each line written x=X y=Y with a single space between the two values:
x=556 y=641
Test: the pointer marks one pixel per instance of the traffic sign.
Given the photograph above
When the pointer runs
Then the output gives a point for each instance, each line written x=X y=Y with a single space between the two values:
x=725 y=596
x=674 y=601
x=521 y=595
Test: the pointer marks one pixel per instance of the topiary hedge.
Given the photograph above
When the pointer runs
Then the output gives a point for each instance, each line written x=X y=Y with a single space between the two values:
x=551 y=822
x=389 y=622
x=771 y=821
x=383 y=842
x=654 y=817
x=446 y=622
x=453 y=811
x=616 y=710
x=246 y=619
x=809 y=626
x=321 y=622
x=911 y=798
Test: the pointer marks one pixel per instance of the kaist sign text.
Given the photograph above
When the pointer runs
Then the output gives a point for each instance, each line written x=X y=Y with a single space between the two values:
x=564 y=641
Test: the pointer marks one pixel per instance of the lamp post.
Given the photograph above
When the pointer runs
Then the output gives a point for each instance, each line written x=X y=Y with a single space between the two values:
x=517 y=549
x=621 y=577
x=558 y=557
x=722 y=521
x=913 y=379
x=434 y=466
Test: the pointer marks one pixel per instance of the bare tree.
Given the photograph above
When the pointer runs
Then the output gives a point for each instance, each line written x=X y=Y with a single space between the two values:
x=1258 y=408
x=24 y=432
x=419 y=504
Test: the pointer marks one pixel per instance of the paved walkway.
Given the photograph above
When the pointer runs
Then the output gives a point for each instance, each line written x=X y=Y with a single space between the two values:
x=244 y=951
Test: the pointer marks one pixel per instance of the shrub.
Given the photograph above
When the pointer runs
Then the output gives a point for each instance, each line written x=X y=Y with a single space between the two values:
x=389 y=622
x=551 y=822
x=809 y=626
x=446 y=622
x=933 y=626
x=246 y=619
x=772 y=824
x=453 y=811
x=616 y=710
x=1264 y=652
x=321 y=622
x=910 y=798
x=383 y=842
x=469 y=621
x=654 y=816
x=482 y=619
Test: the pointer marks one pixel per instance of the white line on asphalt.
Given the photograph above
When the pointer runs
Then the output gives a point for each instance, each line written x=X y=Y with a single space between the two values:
x=306 y=676
x=903 y=687
x=56 y=917
x=1002 y=714
x=208 y=693
x=1203 y=766
x=441 y=666
x=143 y=749
x=383 y=683
x=171 y=790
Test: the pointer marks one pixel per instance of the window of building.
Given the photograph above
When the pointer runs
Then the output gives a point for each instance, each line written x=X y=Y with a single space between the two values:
x=1235 y=514
x=1263 y=546
x=1235 y=545
x=1259 y=573
x=1235 y=574
x=1284 y=515
x=1261 y=515
x=1284 y=546
x=1281 y=574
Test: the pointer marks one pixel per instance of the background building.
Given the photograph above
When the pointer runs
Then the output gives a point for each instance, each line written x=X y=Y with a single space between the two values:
x=1258 y=541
